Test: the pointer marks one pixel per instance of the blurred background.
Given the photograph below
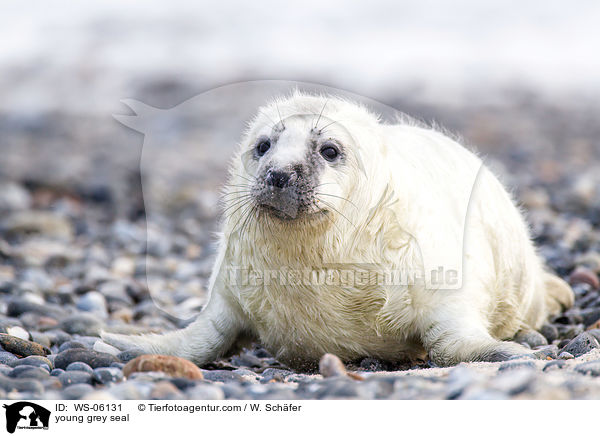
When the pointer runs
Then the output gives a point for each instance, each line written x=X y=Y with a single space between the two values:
x=517 y=81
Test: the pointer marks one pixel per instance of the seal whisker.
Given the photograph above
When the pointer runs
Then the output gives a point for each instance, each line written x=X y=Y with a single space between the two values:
x=320 y=113
x=336 y=196
x=280 y=118
x=243 y=201
x=337 y=211
x=246 y=178
x=247 y=221
x=326 y=125
x=227 y=194
x=243 y=214
x=235 y=203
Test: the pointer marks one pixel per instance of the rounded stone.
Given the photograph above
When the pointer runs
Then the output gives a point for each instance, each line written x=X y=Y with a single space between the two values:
x=171 y=365
x=127 y=355
x=91 y=357
x=589 y=368
x=82 y=324
x=6 y=358
x=9 y=384
x=531 y=338
x=22 y=347
x=331 y=366
x=581 y=344
x=107 y=375
x=28 y=371
x=68 y=378
x=39 y=361
x=93 y=302
x=77 y=391
x=79 y=366
x=581 y=274
x=70 y=344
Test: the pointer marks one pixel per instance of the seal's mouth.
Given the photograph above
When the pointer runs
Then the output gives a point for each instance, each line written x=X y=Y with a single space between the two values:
x=295 y=215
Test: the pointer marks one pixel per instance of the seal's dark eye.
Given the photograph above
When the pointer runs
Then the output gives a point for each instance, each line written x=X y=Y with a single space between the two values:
x=329 y=152
x=263 y=146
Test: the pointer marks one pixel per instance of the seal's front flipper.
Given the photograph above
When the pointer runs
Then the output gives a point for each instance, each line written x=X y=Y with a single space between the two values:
x=207 y=338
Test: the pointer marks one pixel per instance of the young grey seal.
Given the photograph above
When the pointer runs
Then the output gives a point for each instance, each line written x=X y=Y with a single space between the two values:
x=320 y=183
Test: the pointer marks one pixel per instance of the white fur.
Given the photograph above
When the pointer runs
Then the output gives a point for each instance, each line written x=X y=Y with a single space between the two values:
x=416 y=200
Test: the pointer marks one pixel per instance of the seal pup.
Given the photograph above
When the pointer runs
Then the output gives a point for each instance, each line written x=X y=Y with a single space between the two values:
x=322 y=183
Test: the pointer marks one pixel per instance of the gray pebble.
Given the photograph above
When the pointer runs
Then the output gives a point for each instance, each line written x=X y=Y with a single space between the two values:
x=131 y=390
x=21 y=385
x=57 y=337
x=107 y=375
x=231 y=390
x=570 y=331
x=274 y=374
x=220 y=375
x=590 y=316
x=548 y=351
x=486 y=394
x=595 y=333
x=149 y=376
x=550 y=332
x=115 y=291
x=165 y=390
x=40 y=361
x=6 y=357
x=531 y=338
x=581 y=345
x=554 y=365
x=56 y=372
x=40 y=338
x=74 y=377
x=79 y=366
x=565 y=356
x=516 y=365
x=247 y=375
x=77 y=391
x=589 y=368
x=338 y=387
x=70 y=344
x=88 y=341
x=20 y=305
x=93 y=302
x=371 y=364
x=183 y=383
x=91 y=357
x=209 y=392
x=130 y=354
x=83 y=324
x=27 y=371
x=459 y=380
x=247 y=360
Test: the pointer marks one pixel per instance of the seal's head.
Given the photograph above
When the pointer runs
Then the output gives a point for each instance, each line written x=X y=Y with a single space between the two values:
x=299 y=161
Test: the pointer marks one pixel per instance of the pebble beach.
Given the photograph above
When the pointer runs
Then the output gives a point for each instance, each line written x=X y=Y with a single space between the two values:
x=76 y=259
x=108 y=216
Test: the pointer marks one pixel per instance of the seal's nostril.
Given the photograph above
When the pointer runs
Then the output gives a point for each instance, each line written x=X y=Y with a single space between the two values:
x=278 y=179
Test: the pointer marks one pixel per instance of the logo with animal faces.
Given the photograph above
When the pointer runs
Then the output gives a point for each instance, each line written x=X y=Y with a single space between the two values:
x=25 y=415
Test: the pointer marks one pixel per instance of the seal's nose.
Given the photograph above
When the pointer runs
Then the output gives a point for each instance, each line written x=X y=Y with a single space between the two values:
x=278 y=179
